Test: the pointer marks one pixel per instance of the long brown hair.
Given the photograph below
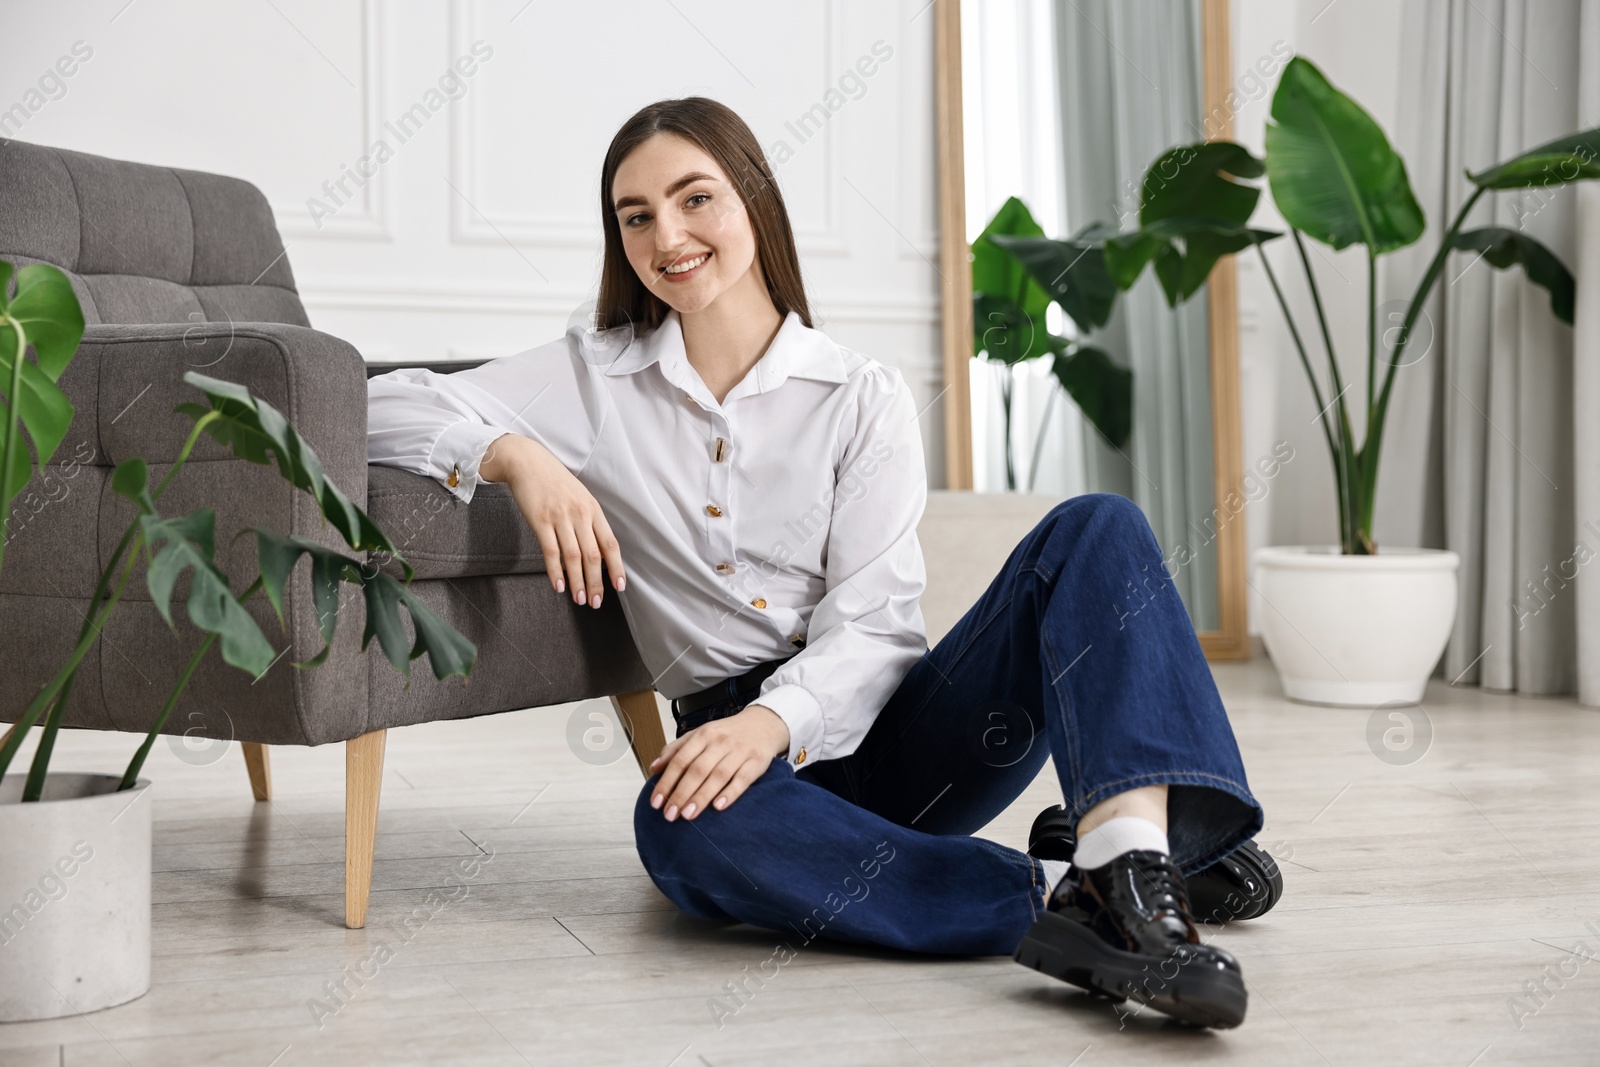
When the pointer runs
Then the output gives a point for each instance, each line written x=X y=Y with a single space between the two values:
x=722 y=135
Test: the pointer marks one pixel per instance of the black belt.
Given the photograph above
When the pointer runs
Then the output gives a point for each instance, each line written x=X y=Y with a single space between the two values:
x=686 y=709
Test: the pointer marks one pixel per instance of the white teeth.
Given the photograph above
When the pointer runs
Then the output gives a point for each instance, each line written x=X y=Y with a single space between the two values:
x=689 y=265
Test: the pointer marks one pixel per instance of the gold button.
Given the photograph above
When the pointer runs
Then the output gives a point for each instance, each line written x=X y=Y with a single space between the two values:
x=713 y=510
x=720 y=444
x=758 y=602
x=725 y=568
x=795 y=638
x=455 y=477
x=800 y=757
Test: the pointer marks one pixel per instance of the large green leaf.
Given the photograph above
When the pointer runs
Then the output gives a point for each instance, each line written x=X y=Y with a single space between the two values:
x=187 y=543
x=1101 y=388
x=1005 y=333
x=1072 y=272
x=256 y=431
x=1334 y=175
x=998 y=274
x=1200 y=182
x=1504 y=247
x=1567 y=159
x=48 y=310
x=449 y=653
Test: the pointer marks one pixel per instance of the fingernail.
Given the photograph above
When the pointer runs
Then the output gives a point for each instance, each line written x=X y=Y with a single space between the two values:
x=655 y=801
x=720 y=803
x=622 y=582
x=594 y=601
x=672 y=812
x=688 y=813
x=561 y=585
x=577 y=596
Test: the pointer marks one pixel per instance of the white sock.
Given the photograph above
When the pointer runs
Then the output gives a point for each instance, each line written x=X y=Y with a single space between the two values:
x=1054 y=871
x=1126 y=833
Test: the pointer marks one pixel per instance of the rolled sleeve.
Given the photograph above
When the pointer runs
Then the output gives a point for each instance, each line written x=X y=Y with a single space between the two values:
x=441 y=425
x=867 y=632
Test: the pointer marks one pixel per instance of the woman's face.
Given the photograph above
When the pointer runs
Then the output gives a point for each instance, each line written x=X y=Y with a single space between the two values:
x=684 y=227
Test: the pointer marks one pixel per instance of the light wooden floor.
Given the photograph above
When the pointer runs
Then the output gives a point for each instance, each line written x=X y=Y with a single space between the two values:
x=1420 y=899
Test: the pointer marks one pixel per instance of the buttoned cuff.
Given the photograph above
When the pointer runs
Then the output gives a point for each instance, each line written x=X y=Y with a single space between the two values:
x=802 y=714
x=457 y=452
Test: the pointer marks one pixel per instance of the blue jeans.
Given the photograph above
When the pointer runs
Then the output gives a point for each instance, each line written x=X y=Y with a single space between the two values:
x=1080 y=649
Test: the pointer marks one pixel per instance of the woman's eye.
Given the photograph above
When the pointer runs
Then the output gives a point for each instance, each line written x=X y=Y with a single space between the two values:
x=634 y=220
x=699 y=198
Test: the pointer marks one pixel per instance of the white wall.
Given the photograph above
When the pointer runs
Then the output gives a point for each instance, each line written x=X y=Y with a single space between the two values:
x=479 y=235
x=1356 y=44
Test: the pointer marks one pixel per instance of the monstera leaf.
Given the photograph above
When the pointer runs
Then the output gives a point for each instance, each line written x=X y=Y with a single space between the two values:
x=45 y=315
x=1333 y=173
x=1072 y=273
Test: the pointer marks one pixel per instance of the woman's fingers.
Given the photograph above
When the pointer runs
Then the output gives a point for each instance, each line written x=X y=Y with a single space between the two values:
x=715 y=781
x=572 y=559
x=689 y=747
x=742 y=779
x=694 y=774
x=610 y=550
x=593 y=584
x=550 y=545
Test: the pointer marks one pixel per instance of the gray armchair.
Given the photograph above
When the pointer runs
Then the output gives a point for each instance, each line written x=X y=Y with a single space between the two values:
x=180 y=270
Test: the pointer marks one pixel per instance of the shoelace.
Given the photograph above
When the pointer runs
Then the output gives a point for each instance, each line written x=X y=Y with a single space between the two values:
x=1160 y=885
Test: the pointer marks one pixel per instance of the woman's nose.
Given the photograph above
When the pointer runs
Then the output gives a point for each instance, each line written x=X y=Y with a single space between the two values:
x=670 y=236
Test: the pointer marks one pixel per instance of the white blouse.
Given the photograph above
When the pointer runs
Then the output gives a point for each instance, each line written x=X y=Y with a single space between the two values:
x=784 y=517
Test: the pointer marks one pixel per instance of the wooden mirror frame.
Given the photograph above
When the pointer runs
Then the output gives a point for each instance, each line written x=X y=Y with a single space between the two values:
x=1231 y=639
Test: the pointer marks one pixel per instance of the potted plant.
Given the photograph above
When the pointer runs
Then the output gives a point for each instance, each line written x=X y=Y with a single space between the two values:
x=1347 y=623
x=75 y=848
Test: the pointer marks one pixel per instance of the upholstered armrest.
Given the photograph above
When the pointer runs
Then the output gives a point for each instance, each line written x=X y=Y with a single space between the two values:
x=317 y=381
x=125 y=382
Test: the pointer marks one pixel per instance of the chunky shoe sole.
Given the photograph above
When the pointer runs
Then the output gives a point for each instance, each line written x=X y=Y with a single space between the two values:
x=1244 y=884
x=1195 y=994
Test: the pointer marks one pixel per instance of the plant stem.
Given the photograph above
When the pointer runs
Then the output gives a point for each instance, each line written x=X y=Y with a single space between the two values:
x=1005 y=402
x=1316 y=392
x=130 y=777
x=1380 y=415
x=48 y=692
x=1347 y=489
x=13 y=431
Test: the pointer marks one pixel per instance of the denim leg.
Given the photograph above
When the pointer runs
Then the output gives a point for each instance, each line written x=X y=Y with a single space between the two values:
x=793 y=857
x=1080 y=649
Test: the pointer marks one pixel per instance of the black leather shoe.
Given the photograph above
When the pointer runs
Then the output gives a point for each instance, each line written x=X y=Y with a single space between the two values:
x=1244 y=884
x=1125 y=930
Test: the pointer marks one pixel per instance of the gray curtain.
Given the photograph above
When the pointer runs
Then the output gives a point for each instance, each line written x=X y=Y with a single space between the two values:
x=1129 y=73
x=1493 y=448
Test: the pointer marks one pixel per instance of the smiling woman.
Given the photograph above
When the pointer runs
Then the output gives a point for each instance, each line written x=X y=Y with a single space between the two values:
x=765 y=485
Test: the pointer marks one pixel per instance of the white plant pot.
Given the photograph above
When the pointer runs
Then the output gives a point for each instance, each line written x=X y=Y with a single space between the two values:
x=75 y=894
x=1357 y=631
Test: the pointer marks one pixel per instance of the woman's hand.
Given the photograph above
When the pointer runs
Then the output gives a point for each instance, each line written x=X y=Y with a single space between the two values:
x=714 y=763
x=564 y=515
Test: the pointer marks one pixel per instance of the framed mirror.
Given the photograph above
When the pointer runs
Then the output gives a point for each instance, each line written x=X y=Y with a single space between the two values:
x=1063 y=106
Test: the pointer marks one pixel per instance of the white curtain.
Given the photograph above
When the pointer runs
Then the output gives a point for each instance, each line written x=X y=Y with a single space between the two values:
x=1129 y=73
x=1493 y=448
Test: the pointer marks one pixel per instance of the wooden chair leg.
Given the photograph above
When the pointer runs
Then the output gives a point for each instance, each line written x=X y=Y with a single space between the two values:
x=259 y=765
x=363 y=775
x=641 y=717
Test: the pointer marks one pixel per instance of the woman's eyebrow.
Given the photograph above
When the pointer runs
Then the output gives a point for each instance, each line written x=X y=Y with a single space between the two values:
x=687 y=179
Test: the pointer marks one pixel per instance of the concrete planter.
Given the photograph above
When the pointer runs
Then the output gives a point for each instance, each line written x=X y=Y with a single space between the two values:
x=74 y=896
x=1357 y=631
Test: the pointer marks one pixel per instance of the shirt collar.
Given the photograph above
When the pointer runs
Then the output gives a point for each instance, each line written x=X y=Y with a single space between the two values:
x=797 y=351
